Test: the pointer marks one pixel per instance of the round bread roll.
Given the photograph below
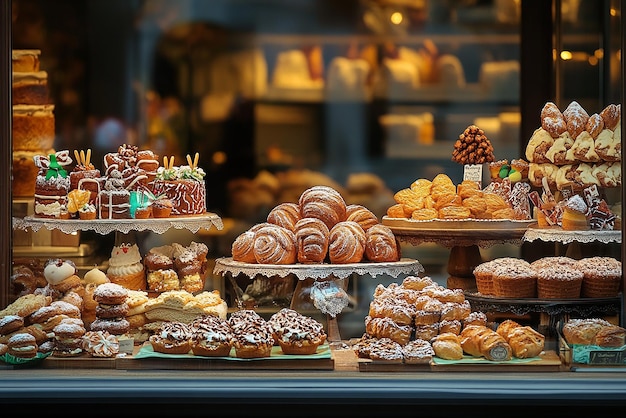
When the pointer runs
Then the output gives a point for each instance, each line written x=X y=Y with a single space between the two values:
x=324 y=203
x=347 y=243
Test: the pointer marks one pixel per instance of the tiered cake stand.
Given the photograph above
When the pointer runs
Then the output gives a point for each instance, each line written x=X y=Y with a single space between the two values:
x=328 y=281
x=464 y=238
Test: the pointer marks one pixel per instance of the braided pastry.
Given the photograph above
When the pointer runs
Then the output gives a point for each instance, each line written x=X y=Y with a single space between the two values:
x=361 y=215
x=347 y=243
x=478 y=341
x=285 y=215
x=274 y=244
x=312 y=238
x=323 y=202
x=381 y=245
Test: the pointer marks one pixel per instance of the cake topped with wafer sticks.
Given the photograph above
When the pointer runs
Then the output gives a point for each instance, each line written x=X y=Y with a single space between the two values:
x=183 y=185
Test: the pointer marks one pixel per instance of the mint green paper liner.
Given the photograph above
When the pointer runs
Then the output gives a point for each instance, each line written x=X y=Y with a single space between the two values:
x=16 y=361
x=323 y=352
x=482 y=360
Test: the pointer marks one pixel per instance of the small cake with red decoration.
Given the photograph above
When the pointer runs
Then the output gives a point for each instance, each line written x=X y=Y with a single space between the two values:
x=183 y=185
x=85 y=176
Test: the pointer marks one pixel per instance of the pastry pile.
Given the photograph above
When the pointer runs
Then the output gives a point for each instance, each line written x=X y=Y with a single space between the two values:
x=419 y=319
x=441 y=199
x=320 y=228
x=574 y=150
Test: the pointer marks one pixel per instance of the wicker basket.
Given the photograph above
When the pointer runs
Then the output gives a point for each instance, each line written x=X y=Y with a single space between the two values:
x=483 y=274
x=600 y=286
x=559 y=283
x=515 y=284
x=602 y=277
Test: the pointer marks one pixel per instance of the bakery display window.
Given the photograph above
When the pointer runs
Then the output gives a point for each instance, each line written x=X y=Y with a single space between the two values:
x=258 y=103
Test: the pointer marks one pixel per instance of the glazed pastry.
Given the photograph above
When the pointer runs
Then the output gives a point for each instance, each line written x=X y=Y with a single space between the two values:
x=399 y=310
x=274 y=244
x=381 y=244
x=312 y=240
x=525 y=341
x=583 y=331
x=418 y=351
x=253 y=334
x=426 y=214
x=172 y=338
x=296 y=333
x=346 y=243
x=285 y=215
x=324 y=203
x=211 y=336
x=387 y=328
x=478 y=340
x=361 y=215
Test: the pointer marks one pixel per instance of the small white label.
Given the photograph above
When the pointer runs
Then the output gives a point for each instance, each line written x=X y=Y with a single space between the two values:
x=127 y=345
x=473 y=172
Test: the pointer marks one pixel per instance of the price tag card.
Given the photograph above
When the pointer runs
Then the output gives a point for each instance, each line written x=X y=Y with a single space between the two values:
x=473 y=172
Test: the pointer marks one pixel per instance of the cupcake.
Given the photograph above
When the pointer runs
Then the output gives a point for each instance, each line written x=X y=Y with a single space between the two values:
x=296 y=333
x=162 y=208
x=211 y=336
x=253 y=334
x=559 y=282
x=87 y=212
x=172 y=338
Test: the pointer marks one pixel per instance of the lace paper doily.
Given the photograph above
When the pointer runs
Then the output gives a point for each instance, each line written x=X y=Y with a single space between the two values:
x=317 y=271
x=106 y=226
x=567 y=237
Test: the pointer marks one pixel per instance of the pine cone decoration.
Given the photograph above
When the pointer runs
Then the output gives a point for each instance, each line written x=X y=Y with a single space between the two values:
x=473 y=147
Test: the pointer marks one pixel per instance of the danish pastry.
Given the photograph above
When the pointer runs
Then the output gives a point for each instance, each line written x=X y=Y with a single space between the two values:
x=285 y=215
x=361 y=215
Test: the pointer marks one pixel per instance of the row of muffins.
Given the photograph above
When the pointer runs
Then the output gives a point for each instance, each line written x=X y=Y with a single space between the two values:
x=246 y=331
x=550 y=277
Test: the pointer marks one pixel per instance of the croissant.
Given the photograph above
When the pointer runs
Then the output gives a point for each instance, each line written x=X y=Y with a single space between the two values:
x=447 y=346
x=243 y=247
x=387 y=328
x=324 y=203
x=347 y=243
x=381 y=244
x=361 y=215
x=274 y=244
x=312 y=238
x=285 y=215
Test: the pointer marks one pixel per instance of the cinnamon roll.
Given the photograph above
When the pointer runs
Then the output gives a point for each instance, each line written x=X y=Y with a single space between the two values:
x=361 y=215
x=274 y=244
x=285 y=215
x=347 y=243
x=323 y=202
x=243 y=247
x=381 y=244
x=312 y=238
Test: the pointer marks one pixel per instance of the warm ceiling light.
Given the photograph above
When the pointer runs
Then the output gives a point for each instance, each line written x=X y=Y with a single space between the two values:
x=396 y=18
x=566 y=55
x=219 y=157
x=598 y=53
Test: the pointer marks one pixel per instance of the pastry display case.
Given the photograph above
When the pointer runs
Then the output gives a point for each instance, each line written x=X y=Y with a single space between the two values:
x=276 y=97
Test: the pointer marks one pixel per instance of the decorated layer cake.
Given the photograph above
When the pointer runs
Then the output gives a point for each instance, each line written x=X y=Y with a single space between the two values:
x=183 y=185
